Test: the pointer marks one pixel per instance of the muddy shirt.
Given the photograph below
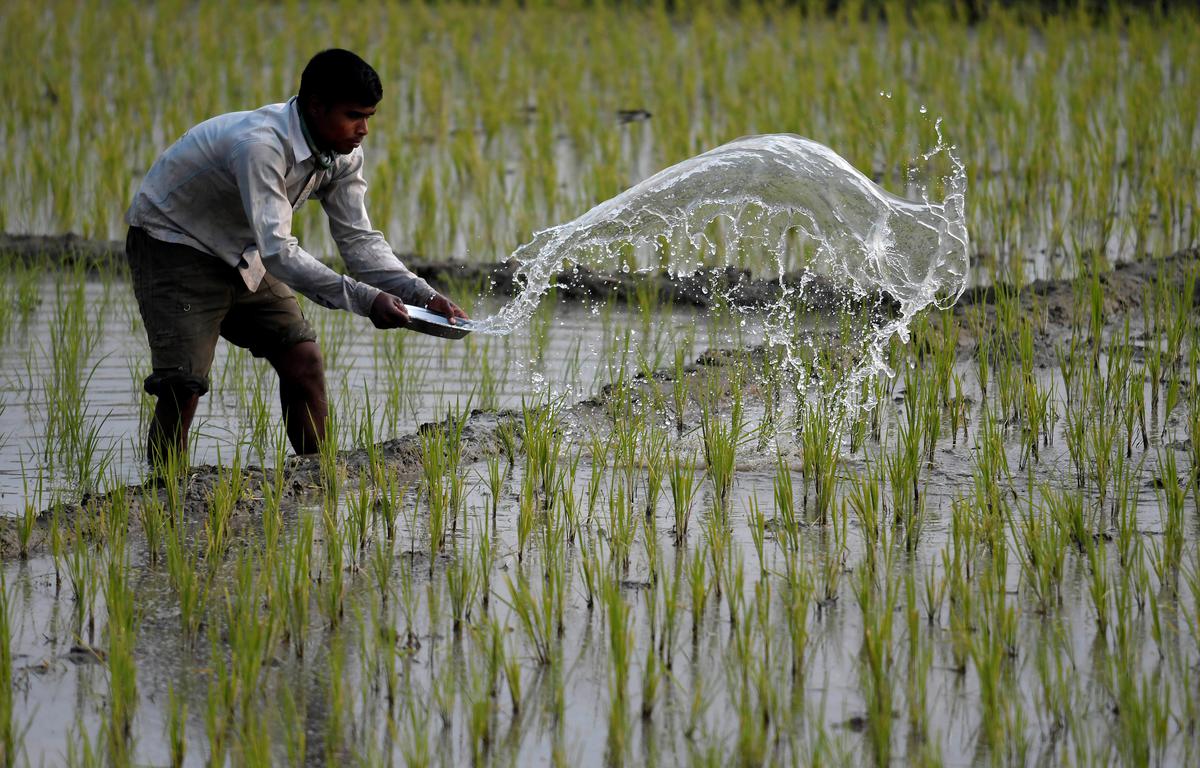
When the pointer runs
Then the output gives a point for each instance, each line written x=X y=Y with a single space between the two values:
x=229 y=186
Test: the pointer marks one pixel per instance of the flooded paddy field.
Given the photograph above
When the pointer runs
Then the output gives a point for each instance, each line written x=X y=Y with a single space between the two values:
x=696 y=503
x=948 y=576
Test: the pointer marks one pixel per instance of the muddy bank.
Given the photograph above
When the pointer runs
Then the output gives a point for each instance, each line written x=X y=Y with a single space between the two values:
x=1123 y=284
x=302 y=481
x=499 y=278
x=1124 y=287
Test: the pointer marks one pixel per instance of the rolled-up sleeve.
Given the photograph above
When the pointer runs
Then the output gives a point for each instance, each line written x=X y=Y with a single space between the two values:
x=259 y=168
x=365 y=250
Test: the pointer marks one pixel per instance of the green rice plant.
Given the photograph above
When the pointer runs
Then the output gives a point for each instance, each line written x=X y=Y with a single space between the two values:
x=478 y=702
x=509 y=663
x=682 y=481
x=497 y=475
x=878 y=606
x=335 y=700
x=797 y=602
x=620 y=646
x=527 y=507
x=359 y=508
x=462 y=583
x=226 y=494
x=153 y=518
x=902 y=468
x=542 y=445
x=919 y=661
x=1099 y=583
x=721 y=441
x=1067 y=511
x=567 y=503
x=787 y=523
x=590 y=569
x=332 y=580
x=598 y=455
x=865 y=501
x=176 y=727
x=389 y=502
x=1042 y=554
x=293 y=585
x=758 y=532
x=380 y=565
x=10 y=735
x=651 y=551
x=122 y=669
x=819 y=441
x=679 y=388
x=190 y=586
x=652 y=679
x=327 y=455
x=408 y=607
x=33 y=500
x=671 y=603
x=1143 y=710
x=699 y=586
x=622 y=526
x=415 y=749
x=1126 y=495
x=438 y=480
x=535 y=615
x=25 y=526
x=654 y=458
x=84 y=577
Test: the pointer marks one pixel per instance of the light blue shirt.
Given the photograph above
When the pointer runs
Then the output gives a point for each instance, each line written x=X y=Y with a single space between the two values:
x=228 y=187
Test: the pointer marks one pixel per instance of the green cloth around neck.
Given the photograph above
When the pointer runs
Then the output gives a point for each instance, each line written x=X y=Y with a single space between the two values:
x=324 y=159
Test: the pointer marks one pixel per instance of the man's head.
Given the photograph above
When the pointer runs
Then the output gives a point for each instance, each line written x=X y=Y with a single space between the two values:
x=338 y=92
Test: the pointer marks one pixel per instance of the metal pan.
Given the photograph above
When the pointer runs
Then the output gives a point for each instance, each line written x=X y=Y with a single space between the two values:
x=433 y=324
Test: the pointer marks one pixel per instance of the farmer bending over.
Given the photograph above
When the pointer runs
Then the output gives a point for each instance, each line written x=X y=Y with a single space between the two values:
x=211 y=249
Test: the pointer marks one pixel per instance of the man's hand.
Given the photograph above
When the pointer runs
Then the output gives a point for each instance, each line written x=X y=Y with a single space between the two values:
x=388 y=312
x=444 y=306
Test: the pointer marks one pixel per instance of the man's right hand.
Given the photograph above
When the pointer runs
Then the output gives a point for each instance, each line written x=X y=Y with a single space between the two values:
x=388 y=312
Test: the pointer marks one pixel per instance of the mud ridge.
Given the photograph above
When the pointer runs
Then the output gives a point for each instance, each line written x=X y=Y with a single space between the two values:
x=1123 y=283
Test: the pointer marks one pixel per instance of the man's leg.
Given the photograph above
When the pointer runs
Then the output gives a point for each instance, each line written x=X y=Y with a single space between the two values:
x=302 y=394
x=173 y=415
x=183 y=295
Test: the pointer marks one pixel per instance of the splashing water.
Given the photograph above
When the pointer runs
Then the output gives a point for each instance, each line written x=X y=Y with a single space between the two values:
x=772 y=192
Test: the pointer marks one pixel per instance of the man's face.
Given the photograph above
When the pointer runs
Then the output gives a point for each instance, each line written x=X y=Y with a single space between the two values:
x=340 y=127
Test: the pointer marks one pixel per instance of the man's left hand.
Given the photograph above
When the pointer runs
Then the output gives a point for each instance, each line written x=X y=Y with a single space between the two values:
x=444 y=306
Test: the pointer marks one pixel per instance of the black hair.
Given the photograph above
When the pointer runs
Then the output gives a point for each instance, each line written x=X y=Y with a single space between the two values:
x=337 y=76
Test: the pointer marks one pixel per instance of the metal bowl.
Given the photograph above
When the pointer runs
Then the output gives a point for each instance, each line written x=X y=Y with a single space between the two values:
x=433 y=324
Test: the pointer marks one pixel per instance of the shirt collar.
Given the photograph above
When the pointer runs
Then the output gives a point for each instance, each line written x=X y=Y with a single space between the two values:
x=302 y=144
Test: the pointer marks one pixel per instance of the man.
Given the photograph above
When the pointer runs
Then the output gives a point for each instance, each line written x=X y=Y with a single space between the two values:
x=211 y=250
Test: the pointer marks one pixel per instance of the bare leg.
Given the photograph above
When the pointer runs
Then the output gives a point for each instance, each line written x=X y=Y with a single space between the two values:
x=302 y=394
x=169 y=430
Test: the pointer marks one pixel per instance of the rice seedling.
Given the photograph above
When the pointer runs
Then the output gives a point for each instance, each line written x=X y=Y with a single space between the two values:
x=122 y=669
x=721 y=440
x=10 y=733
x=682 y=481
x=877 y=658
x=176 y=727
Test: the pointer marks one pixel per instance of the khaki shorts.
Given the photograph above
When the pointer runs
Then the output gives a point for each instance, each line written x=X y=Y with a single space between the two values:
x=188 y=298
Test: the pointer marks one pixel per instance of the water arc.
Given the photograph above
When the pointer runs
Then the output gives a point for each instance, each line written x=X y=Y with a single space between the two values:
x=763 y=189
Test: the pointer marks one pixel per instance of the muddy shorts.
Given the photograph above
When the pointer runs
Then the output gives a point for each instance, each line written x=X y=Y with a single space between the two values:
x=188 y=298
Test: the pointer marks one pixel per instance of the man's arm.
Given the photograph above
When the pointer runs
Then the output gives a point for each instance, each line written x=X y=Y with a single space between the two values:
x=365 y=251
x=259 y=169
